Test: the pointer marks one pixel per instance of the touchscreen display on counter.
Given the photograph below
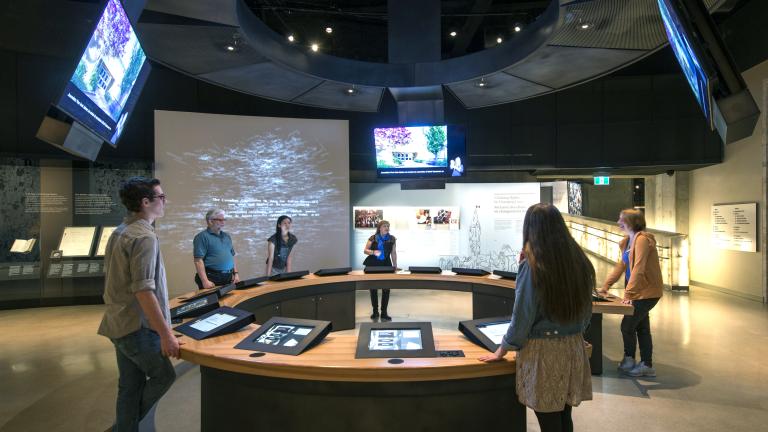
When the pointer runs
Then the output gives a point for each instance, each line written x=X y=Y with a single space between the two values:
x=494 y=331
x=192 y=306
x=395 y=339
x=212 y=322
x=287 y=335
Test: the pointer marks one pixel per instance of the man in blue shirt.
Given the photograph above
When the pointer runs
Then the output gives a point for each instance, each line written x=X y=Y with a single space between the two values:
x=214 y=254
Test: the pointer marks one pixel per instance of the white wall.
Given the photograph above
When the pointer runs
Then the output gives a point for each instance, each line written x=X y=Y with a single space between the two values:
x=738 y=179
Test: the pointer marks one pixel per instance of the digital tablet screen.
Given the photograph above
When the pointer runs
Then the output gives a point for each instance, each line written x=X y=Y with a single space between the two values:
x=395 y=339
x=494 y=331
x=212 y=322
x=286 y=335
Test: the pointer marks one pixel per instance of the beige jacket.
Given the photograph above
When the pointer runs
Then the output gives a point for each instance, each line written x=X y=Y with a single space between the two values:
x=645 y=272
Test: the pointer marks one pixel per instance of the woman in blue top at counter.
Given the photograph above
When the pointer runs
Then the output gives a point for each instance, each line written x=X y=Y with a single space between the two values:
x=553 y=306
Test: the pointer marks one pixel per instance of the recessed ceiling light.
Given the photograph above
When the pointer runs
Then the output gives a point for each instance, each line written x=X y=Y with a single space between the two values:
x=499 y=40
x=518 y=28
x=481 y=83
x=315 y=47
x=230 y=48
x=233 y=45
x=584 y=26
x=351 y=91
x=329 y=30
x=453 y=34
x=291 y=38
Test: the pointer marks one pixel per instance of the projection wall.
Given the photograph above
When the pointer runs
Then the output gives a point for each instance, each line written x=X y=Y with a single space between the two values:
x=255 y=169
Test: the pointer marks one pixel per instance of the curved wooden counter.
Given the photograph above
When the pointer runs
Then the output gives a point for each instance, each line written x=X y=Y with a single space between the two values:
x=334 y=358
x=327 y=388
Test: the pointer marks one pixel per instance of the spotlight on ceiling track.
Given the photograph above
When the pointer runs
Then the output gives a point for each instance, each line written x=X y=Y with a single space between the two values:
x=499 y=40
x=518 y=28
x=453 y=34
x=314 y=47
x=233 y=45
x=481 y=83
x=329 y=30
x=291 y=38
x=351 y=90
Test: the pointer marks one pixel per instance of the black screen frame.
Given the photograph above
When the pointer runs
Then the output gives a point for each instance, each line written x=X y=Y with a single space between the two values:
x=320 y=330
x=242 y=319
x=454 y=132
x=427 y=340
x=470 y=329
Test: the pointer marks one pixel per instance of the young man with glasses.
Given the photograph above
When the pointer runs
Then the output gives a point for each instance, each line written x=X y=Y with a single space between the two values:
x=137 y=318
x=214 y=255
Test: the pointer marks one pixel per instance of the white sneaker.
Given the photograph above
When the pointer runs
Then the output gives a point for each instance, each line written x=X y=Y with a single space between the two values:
x=642 y=370
x=627 y=364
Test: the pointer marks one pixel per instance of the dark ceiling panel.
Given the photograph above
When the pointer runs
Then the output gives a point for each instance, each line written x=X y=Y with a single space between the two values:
x=264 y=79
x=335 y=95
x=499 y=88
x=558 y=66
x=194 y=49
x=219 y=11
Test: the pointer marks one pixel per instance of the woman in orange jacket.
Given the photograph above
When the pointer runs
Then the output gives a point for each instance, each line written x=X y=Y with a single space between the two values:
x=643 y=288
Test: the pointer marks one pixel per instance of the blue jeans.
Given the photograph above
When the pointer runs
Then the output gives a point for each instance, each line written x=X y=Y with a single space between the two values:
x=145 y=375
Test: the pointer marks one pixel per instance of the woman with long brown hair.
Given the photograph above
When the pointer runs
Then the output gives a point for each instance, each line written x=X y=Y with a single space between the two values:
x=381 y=250
x=553 y=306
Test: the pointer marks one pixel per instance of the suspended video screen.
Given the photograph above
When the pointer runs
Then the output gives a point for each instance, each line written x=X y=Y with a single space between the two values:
x=420 y=151
x=109 y=76
x=682 y=43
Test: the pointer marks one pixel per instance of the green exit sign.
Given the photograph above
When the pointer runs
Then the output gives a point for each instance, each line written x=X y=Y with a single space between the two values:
x=602 y=181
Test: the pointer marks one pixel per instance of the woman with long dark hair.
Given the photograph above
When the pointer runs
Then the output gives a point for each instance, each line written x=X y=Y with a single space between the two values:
x=280 y=247
x=381 y=251
x=553 y=306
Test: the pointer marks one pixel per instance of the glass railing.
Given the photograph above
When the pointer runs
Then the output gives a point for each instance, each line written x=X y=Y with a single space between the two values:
x=602 y=238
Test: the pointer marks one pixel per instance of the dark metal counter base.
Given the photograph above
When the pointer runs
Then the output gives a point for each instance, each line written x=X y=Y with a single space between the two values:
x=232 y=401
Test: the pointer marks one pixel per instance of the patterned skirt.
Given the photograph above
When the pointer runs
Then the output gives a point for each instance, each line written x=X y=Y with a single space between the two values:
x=553 y=372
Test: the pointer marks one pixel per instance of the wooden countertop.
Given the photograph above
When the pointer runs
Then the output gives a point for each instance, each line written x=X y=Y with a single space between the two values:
x=334 y=358
x=614 y=306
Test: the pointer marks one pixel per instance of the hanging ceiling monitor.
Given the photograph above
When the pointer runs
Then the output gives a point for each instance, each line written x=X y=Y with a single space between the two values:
x=109 y=76
x=291 y=336
x=217 y=322
x=196 y=307
x=486 y=332
x=708 y=67
x=394 y=340
x=420 y=151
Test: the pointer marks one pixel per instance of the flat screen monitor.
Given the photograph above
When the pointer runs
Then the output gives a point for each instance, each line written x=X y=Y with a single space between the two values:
x=109 y=76
x=252 y=282
x=217 y=322
x=101 y=247
x=486 y=332
x=77 y=242
x=282 y=335
x=689 y=54
x=333 y=271
x=390 y=340
x=289 y=275
x=470 y=271
x=420 y=151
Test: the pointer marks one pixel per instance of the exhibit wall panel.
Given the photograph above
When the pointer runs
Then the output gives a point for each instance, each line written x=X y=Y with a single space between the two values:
x=255 y=169
x=738 y=179
x=489 y=234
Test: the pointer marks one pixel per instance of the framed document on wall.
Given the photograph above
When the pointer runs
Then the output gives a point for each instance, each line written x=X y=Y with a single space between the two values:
x=734 y=227
x=77 y=242
x=101 y=247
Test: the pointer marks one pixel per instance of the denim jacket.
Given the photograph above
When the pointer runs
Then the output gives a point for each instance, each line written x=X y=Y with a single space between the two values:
x=528 y=321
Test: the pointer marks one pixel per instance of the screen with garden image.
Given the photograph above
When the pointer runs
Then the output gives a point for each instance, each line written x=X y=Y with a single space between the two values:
x=420 y=151
x=109 y=76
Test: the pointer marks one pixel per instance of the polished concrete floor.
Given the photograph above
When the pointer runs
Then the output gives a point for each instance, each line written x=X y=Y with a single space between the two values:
x=711 y=352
